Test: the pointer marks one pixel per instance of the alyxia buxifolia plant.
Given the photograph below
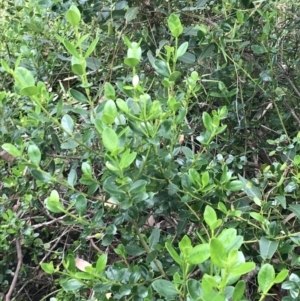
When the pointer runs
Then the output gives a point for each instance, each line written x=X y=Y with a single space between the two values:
x=221 y=265
x=148 y=165
x=217 y=262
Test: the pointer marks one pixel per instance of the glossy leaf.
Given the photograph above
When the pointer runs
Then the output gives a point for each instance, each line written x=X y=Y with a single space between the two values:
x=154 y=237
x=173 y=253
x=266 y=277
x=24 y=77
x=11 y=149
x=281 y=276
x=249 y=188
x=53 y=203
x=239 y=291
x=109 y=91
x=182 y=49
x=71 y=285
x=101 y=263
x=127 y=158
x=198 y=254
x=165 y=288
x=73 y=15
x=34 y=154
x=210 y=215
x=194 y=289
x=267 y=247
x=218 y=253
x=109 y=112
x=175 y=26
x=242 y=268
x=80 y=205
x=67 y=123
x=77 y=95
x=131 y=14
x=207 y=121
x=110 y=139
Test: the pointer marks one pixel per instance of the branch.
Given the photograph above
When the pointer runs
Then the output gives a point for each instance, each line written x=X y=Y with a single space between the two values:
x=20 y=260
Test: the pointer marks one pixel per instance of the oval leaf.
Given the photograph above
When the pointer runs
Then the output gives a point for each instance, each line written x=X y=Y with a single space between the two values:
x=165 y=288
x=110 y=139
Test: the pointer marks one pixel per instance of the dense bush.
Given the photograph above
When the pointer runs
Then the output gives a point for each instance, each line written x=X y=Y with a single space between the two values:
x=149 y=150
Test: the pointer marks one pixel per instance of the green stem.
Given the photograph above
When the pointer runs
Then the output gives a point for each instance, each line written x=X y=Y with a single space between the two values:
x=148 y=250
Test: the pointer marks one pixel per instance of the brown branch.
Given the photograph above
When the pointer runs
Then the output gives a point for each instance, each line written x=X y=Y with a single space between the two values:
x=20 y=261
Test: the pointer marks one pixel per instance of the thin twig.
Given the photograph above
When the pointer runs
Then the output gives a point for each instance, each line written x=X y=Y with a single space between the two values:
x=16 y=274
x=44 y=258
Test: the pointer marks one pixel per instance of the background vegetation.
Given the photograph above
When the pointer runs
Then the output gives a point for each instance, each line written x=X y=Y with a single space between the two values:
x=149 y=150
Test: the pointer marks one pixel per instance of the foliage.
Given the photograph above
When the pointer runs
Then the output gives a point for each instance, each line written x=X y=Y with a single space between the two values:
x=149 y=150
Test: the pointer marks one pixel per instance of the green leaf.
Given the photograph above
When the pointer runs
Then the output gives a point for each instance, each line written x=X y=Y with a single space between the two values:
x=48 y=267
x=161 y=68
x=80 y=205
x=24 y=78
x=101 y=263
x=122 y=105
x=267 y=248
x=173 y=77
x=242 y=268
x=71 y=48
x=295 y=209
x=173 y=253
x=41 y=176
x=258 y=217
x=67 y=123
x=109 y=91
x=239 y=291
x=266 y=277
x=131 y=14
x=184 y=244
x=250 y=189
x=234 y=185
x=154 y=237
x=155 y=110
x=12 y=150
x=78 y=65
x=72 y=177
x=5 y=66
x=188 y=58
x=91 y=47
x=210 y=215
x=134 y=250
x=127 y=158
x=86 y=168
x=131 y=62
x=198 y=254
x=182 y=49
x=194 y=177
x=34 y=154
x=78 y=96
x=281 y=276
x=29 y=91
x=281 y=199
x=212 y=47
x=175 y=26
x=71 y=285
x=205 y=178
x=208 y=122
x=53 y=203
x=194 y=289
x=165 y=288
x=110 y=139
x=138 y=186
x=109 y=112
x=73 y=15
x=217 y=253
